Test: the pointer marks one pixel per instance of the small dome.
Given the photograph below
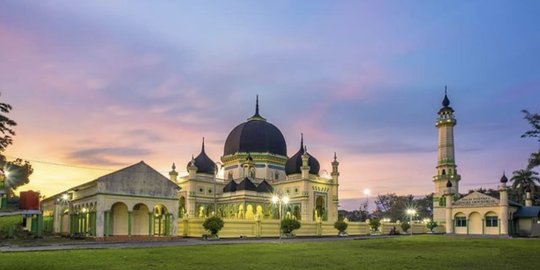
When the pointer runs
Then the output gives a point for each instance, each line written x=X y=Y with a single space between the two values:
x=528 y=190
x=246 y=184
x=294 y=164
x=504 y=179
x=203 y=163
x=448 y=184
x=265 y=187
x=255 y=136
x=230 y=187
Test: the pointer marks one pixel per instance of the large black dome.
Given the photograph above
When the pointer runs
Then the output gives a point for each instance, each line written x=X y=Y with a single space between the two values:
x=294 y=164
x=255 y=136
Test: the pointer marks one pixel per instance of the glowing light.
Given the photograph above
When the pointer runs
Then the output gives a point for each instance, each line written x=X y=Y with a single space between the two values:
x=411 y=212
x=65 y=197
x=84 y=210
x=367 y=191
x=275 y=199
x=285 y=200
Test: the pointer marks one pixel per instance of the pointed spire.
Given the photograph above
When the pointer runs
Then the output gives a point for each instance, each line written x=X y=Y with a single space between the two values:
x=446 y=101
x=335 y=156
x=301 y=141
x=257 y=116
x=173 y=166
x=202 y=148
x=257 y=105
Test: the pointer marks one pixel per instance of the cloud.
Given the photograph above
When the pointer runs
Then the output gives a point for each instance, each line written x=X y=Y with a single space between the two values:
x=107 y=156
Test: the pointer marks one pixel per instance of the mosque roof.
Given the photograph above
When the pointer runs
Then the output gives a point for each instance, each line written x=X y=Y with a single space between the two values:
x=255 y=136
x=203 y=163
x=294 y=164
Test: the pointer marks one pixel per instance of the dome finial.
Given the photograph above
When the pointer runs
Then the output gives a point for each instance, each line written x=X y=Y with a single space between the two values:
x=173 y=166
x=335 y=156
x=504 y=179
x=301 y=140
x=446 y=101
x=257 y=116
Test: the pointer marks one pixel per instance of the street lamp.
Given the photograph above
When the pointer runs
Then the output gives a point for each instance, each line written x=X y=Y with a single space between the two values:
x=411 y=212
x=367 y=192
x=280 y=199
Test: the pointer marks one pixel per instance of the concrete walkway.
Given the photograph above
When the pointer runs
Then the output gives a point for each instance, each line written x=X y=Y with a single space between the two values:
x=181 y=242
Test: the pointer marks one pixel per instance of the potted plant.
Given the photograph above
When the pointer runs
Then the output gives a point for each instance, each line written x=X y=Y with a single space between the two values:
x=288 y=225
x=405 y=226
x=431 y=225
x=213 y=224
x=341 y=226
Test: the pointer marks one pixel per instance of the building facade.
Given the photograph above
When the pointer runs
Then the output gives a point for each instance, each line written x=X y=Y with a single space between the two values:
x=255 y=168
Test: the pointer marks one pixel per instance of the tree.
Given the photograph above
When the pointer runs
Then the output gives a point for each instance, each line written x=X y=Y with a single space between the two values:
x=523 y=179
x=534 y=120
x=6 y=125
x=341 y=226
x=16 y=172
x=405 y=226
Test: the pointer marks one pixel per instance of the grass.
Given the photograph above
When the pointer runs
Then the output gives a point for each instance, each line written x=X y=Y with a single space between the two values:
x=416 y=252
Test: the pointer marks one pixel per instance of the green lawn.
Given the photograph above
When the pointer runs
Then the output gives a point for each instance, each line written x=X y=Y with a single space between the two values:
x=416 y=252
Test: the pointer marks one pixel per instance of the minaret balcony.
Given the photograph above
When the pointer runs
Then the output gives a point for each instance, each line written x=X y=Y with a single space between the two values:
x=446 y=177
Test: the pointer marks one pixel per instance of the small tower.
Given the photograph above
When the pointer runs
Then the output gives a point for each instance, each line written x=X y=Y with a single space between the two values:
x=446 y=163
x=248 y=168
x=173 y=174
x=449 y=195
x=503 y=205
x=528 y=197
x=305 y=164
x=192 y=168
x=335 y=176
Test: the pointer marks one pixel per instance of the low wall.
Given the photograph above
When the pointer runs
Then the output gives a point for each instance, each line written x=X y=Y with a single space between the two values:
x=235 y=228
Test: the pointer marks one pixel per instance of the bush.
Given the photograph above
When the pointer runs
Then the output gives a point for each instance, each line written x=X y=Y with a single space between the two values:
x=432 y=225
x=9 y=226
x=213 y=224
x=288 y=225
x=405 y=226
x=341 y=226
x=374 y=224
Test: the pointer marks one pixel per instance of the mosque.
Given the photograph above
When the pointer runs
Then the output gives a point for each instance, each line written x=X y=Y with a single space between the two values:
x=475 y=213
x=139 y=201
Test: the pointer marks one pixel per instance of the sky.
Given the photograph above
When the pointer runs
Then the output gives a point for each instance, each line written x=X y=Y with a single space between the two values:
x=99 y=85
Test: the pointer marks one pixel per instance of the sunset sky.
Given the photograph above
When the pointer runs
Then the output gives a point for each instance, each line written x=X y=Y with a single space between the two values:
x=98 y=85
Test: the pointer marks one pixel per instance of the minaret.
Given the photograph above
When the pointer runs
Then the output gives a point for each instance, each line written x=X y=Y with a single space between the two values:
x=192 y=168
x=335 y=176
x=448 y=195
x=173 y=173
x=446 y=162
x=528 y=198
x=305 y=164
x=503 y=205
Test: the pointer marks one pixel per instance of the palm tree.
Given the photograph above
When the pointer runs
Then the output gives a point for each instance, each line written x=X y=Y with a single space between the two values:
x=523 y=179
x=534 y=160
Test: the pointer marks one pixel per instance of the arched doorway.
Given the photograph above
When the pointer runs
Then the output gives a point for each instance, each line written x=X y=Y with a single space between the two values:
x=161 y=220
x=139 y=225
x=119 y=219
x=320 y=208
x=182 y=207
x=296 y=212
x=475 y=223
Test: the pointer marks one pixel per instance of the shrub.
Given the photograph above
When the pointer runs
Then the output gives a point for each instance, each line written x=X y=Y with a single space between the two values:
x=288 y=225
x=405 y=226
x=9 y=226
x=341 y=226
x=374 y=224
x=432 y=225
x=213 y=224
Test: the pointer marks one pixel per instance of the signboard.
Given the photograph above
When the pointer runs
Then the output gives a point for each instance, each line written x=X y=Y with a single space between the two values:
x=477 y=199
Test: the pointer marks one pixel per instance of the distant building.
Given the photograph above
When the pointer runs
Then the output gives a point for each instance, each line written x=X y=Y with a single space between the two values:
x=476 y=213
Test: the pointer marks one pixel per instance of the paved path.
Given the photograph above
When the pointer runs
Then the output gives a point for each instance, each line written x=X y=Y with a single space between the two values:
x=180 y=242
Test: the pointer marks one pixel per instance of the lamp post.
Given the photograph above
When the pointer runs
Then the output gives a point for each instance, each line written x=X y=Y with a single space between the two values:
x=411 y=212
x=280 y=199
x=367 y=192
